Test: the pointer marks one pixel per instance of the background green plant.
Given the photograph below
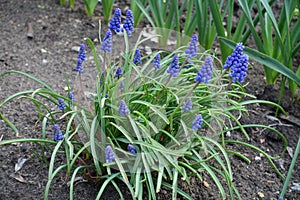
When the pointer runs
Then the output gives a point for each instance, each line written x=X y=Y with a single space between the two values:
x=89 y=6
x=71 y=3
x=279 y=38
x=107 y=9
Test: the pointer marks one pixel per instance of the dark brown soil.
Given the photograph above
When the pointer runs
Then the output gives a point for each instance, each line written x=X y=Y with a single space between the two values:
x=49 y=57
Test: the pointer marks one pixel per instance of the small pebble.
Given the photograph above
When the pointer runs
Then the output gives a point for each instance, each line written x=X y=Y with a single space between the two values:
x=75 y=48
x=43 y=51
x=257 y=158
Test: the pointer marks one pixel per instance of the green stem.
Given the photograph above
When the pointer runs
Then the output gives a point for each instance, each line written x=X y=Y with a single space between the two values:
x=289 y=174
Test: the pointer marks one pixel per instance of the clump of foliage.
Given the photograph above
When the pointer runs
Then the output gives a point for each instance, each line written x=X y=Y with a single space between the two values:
x=153 y=117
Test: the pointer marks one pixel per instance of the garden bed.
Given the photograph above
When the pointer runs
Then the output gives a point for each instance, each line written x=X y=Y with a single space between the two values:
x=49 y=56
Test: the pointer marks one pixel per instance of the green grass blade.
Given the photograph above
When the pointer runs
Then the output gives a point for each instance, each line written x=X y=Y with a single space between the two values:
x=28 y=76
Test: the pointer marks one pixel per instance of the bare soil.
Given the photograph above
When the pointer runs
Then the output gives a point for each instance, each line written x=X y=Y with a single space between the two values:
x=49 y=56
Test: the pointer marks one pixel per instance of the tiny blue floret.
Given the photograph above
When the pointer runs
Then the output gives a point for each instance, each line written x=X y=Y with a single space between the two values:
x=109 y=154
x=192 y=49
x=107 y=42
x=137 y=57
x=119 y=72
x=131 y=149
x=71 y=97
x=81 y=58
x=57 y=133
x=237 y=62
x=129 y=23
x=61 y=104
x=156 y=62
x=205 y=73
x=188 y=105
x=174 y=67
x=197 y=122
x=123 y=109
x=115 y=22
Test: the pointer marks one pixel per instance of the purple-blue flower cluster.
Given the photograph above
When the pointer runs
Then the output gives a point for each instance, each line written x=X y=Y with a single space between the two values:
x=156 y=62
x=115 y=22
x=131 y=149
x=137 y=57
x=188 y=105
x=119 y=72
x=121 y=85
x=123 y=109
x=71 y=97
x=57 y=133
x=107 y=42
x=61 y=104
x=109 y=154
x=192 y=49
x=129 y=23
x=197 y=122
x=205 y=73
x=237 y=62
x=81 y=58
x=174 y=67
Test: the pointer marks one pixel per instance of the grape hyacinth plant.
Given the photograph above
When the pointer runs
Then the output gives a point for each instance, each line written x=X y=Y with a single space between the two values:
x=119 y=72
x=154 y=123
x=237 y=62
x=109 y=154
x=129 y=23
x=107 y=42
x=197 y=122
x=156 y=62
x=115 y=22
x=61 y=104
x=137 y=57
x=173 y=69
x=81 y=58
x=205 y=73
x=192 y=49
x=57 y=133
x=188 y=105
x=131 y=149
x=123 y=109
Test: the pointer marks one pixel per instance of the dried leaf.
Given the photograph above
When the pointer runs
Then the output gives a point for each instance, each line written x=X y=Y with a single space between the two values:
x=18 y=177
x=290 y=151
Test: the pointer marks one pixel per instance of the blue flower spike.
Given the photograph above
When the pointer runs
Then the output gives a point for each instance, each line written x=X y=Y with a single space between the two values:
x=115 y=22
x=131 y=149
x=123 y=109
x=57 y=133
x=109 y=154
x=192 y=49
x=188 y=105
x=197 y=122
x=237 y=62
x=129 y=23
x=119 y=72
x=61 y=104
x=107 y=42
x=156 y=62
x=205 y=73
x=81 y=58
x=137 y=57
x=174 y=67
x=71 y=97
